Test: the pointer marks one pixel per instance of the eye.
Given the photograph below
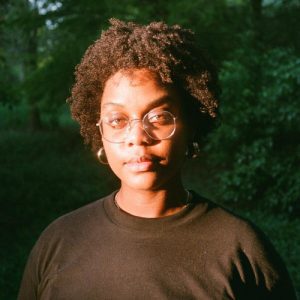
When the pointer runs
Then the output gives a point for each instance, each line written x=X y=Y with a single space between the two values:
x=160 y=118
x=116 y=121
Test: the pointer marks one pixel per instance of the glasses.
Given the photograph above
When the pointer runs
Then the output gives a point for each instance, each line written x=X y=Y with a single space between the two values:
x=158 y=125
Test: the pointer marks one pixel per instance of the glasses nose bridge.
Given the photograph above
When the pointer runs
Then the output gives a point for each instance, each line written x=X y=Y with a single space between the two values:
x=130 y=126
x=138 y=133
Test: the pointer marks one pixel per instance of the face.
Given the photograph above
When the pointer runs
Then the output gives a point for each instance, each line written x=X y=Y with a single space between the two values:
x=141 y=162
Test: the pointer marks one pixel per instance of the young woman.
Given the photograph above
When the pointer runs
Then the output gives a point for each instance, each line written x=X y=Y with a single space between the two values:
x=145 y=98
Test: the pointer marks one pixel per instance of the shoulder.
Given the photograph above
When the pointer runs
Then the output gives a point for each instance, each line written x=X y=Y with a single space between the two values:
x=243 y=249
x=221 y=221
x=61 y=244
x=78 y=220
x=70 y=233
x=234 y=233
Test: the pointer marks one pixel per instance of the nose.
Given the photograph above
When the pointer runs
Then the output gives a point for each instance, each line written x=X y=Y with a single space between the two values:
x=136 y=134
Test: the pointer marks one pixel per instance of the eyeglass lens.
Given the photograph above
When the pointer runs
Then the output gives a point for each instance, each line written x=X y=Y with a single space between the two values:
x=159 y=125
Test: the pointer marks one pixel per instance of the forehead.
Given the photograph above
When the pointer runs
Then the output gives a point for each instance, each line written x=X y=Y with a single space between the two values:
x=137 y=88
x=135 y=77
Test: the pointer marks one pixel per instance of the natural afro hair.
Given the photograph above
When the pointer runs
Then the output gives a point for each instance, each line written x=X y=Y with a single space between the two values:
x=169 y=51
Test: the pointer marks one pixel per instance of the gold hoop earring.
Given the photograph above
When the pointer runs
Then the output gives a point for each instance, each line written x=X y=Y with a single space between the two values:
x=193 y=150
x=102 y=156
x=196 y=150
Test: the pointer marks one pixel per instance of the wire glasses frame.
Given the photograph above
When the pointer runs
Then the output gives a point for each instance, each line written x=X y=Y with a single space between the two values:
x=158 y=125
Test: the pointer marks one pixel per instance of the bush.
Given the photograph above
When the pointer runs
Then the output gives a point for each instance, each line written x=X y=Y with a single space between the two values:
x=256 y=145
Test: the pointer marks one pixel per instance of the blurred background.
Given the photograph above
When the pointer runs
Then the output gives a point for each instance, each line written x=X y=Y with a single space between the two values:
x=250 y=164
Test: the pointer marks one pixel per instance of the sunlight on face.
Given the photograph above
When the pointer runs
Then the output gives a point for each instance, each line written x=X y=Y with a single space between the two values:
x=140 y=161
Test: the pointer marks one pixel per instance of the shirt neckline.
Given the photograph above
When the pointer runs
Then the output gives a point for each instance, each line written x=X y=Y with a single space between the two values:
x=130 y=222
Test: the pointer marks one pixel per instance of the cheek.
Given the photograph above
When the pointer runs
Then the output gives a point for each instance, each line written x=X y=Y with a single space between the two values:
x=114 y=160
x=176 y=152
x=179 y=142
x=112 y=153
x=173 y=150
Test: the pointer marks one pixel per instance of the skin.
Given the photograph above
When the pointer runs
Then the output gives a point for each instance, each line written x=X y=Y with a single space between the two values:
x=149 y=170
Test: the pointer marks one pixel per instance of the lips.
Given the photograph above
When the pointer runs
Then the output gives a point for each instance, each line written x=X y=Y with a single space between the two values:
x=141 y=164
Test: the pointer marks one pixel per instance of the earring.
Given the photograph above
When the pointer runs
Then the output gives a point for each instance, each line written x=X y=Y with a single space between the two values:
x=193 y=150
x=196 y=150
x=102 y=156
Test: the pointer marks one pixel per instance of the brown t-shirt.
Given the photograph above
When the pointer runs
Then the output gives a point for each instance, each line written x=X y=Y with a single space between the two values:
x=202 y=252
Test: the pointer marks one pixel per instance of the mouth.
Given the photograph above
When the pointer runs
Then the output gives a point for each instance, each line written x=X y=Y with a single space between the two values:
x=142 y=164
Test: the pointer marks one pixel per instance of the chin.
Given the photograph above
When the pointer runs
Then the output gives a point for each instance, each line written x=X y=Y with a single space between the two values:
x=143 y=181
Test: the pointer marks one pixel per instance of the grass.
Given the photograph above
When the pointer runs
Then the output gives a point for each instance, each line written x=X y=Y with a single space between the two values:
x=46 y=174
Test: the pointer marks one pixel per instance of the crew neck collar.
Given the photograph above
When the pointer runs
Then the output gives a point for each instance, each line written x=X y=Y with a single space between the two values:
x=131 y=222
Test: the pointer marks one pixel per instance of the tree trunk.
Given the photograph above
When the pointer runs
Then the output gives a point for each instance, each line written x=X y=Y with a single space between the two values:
x=256 y=9
x=34 y=118
x=256 y=6
x=256 y=68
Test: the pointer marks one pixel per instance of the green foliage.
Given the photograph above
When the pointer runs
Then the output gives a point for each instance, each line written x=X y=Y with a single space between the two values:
x=12 y=117
x=43 y=176
x=8 y=92
x=216 y=23
x=258 y=139
x=44 y=40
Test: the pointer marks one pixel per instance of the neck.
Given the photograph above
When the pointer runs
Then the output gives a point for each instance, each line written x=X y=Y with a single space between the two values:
x=152 y=203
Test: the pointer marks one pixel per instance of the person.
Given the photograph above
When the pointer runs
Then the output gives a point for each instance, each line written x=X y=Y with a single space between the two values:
x=146 y=97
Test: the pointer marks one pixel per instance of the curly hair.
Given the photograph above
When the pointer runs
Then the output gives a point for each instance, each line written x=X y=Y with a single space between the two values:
x=169 y=51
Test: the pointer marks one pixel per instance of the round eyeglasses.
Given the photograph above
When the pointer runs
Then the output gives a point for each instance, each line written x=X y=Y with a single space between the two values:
x=158 y=125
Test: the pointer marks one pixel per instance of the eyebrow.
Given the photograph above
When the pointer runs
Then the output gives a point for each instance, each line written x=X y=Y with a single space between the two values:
x=159 y=101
